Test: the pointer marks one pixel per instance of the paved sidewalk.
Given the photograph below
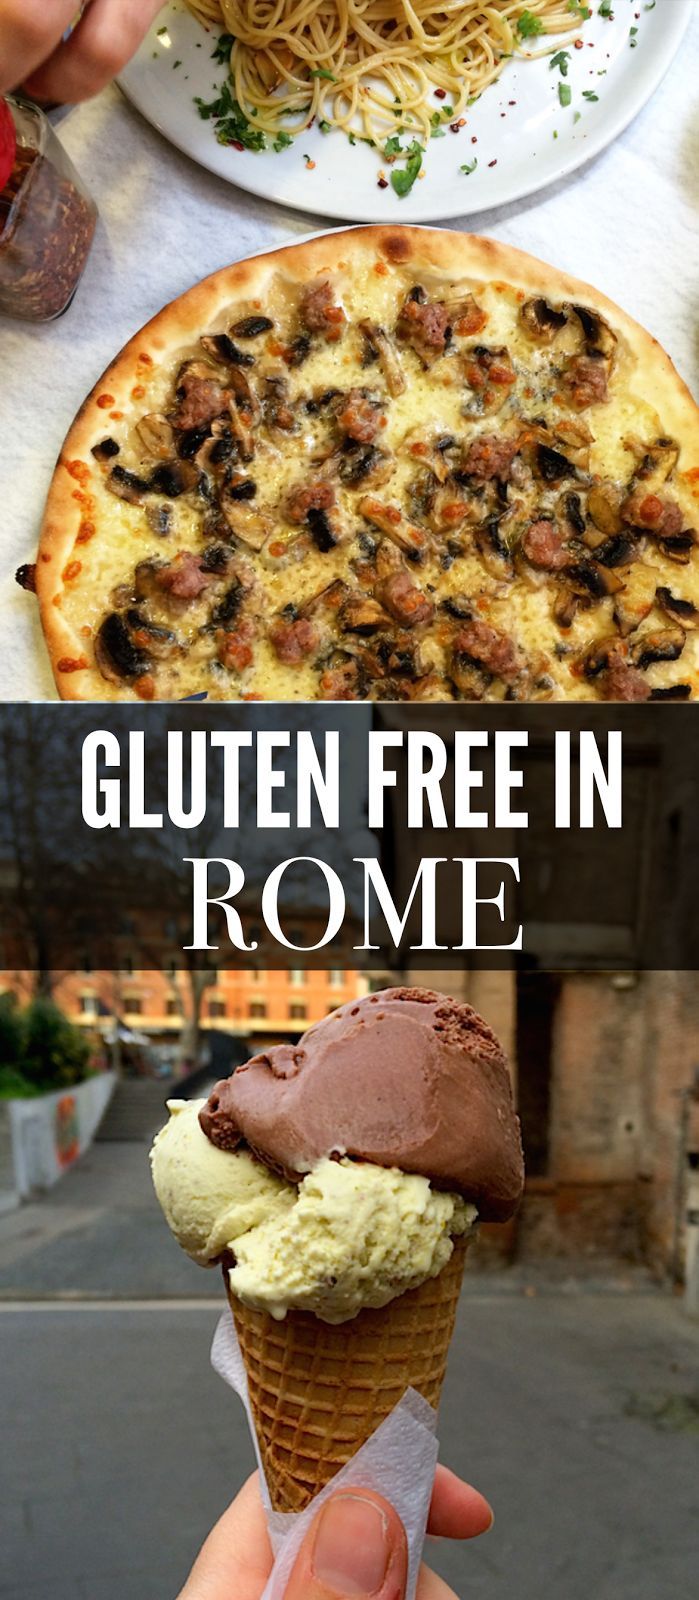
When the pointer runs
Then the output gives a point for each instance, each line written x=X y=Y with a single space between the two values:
x=121 y=1446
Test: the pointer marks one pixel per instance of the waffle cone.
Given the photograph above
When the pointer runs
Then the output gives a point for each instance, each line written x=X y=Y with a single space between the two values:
x=317 y=1392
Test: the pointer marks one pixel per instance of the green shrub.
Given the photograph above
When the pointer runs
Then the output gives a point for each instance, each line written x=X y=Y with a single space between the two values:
x=40 y=1049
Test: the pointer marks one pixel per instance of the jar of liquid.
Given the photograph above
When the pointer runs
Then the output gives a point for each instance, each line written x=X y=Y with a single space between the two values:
x=47 y=220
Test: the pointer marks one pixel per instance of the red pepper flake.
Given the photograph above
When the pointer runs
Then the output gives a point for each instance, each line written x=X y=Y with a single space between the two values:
x=73 y=570
x=104 y=401
x=237 y=144
x=72 y=664
x=578 y=44
x=512 y=102
x=455 y=126
x=382 y=183
x=440 y=94
x=474 y=139
x=493 y=163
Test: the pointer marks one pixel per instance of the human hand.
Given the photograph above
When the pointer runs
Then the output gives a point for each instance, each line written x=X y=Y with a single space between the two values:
x=35 y=56
x=356 y=1546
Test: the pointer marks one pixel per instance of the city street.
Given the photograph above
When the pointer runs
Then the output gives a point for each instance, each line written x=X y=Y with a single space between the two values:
x=574 y=1406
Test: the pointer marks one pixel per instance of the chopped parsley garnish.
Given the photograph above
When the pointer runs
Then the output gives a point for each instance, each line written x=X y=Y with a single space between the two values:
x=589 y=94
x=605 y=10
x=393 y=147
x=232 y=126
x=565 y=94
x=403 y=178
x=322 y=72
x=632 y=38
x=560 y=60
x=469 y=166
x=579 y=10
x=283 y=141
x=529 y=26
x=223 y=47
x=324 y=126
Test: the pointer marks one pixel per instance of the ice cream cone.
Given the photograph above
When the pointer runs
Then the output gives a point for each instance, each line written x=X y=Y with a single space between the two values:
x=318 y=1391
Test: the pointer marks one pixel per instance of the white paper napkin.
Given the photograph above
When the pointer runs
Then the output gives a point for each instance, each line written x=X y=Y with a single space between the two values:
x=398 y=1462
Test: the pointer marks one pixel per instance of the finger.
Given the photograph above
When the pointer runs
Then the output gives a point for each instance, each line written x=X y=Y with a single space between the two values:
x=356 y=1545
x=106 y=38
x=457 y=1511
x=29 y=31
x=236 y=1560
x=430 y=1587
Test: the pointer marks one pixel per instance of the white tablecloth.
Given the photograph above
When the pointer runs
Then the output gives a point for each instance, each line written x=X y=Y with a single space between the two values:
x=627 y=222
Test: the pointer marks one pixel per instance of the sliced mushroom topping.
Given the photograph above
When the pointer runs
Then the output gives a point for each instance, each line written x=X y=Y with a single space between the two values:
x=552 y=465
x=471 y=680
x=635 y=601
x=389 y=362
x=253 y=527
x=223 y=350
x=598 y=336
x=172 y=478
x=447 y=510
x=191 y=440
x=277 y=410
x=240 y=487
x=370 y=465
x=541 y=320
x=574 y=438
x=459 y=606
x=150 y=636
x=329 y=598
x=570 y=509
x=619 y=551
x=251 y=327
x=217 y=558
x=493 y=550
x=598 y=657
x=342 y=679
x=465 y=315
x=603 y=506
x=324 y=529
x=565 y=608
x=591 y=581
x=127 y=485
x=660 y=644
x=678 y=547
x=228 y=606
x=299 y=350
x=654 y=462
x=241 y=429
x=105 y=450
x=674 y=691
x=413 y=541
x=679 y=610
x=361 y=614
x=156 y=436
x=115 y=653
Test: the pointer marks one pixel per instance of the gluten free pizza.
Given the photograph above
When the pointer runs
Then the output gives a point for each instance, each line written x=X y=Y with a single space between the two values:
x=388 y=464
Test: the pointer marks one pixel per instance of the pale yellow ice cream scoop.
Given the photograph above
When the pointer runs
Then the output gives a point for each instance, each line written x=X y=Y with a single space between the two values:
x=210 y=1196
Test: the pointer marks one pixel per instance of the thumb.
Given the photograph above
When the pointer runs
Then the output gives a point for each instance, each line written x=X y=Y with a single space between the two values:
x=355 y=1546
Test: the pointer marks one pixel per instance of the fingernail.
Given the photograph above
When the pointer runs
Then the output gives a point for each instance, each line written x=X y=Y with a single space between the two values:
x=352 y=1547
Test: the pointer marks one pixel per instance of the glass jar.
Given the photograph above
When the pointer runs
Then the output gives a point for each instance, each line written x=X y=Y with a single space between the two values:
x=47 y=221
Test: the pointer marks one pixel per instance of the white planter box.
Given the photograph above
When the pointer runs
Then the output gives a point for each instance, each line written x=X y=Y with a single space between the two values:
x=50 y=1132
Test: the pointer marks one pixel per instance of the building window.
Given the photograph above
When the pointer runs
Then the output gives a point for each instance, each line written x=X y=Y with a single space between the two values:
x=298 y=1012
x=217 y=1007
x=172 y=1008
x=89 y=1005
x=257 y=1008
x=133 y=1005
x=297 y=976
x=336 y=977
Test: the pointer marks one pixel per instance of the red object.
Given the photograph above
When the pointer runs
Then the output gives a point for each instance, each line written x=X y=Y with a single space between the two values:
x=8 y=143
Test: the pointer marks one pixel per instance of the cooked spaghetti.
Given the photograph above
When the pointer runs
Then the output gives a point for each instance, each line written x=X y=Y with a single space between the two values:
x=370 y=66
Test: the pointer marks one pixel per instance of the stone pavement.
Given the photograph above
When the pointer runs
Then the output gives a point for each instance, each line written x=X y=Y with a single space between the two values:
x=574 y=1408
x=120 y=1447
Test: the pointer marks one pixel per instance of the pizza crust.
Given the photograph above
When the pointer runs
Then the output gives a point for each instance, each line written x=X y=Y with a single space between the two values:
x=468 y=259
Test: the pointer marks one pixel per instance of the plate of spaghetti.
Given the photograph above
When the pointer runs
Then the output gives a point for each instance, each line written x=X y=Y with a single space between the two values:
x=408 y=109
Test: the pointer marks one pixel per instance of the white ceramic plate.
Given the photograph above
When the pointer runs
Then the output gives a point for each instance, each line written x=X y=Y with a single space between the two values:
x=520 y=133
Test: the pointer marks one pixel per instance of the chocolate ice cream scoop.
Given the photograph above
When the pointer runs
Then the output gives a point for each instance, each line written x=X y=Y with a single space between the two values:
x=405 y=1078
